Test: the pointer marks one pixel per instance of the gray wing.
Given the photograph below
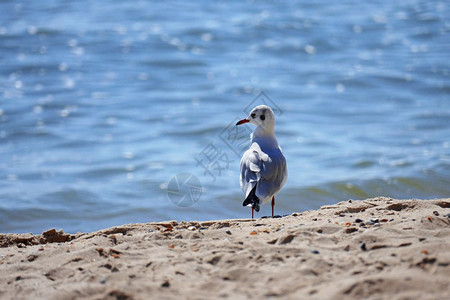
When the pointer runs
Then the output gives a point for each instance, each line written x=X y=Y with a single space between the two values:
x=266 y=169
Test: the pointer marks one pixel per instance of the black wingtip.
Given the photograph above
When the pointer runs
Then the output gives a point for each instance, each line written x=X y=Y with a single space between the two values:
x=252 y=199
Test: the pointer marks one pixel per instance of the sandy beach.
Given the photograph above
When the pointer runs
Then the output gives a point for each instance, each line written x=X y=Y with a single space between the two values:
x=378 y=248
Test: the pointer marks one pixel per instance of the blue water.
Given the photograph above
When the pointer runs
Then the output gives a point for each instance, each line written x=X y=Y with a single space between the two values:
x=103 y=103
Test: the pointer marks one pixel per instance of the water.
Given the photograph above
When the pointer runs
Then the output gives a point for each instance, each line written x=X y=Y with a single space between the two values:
x=102 y=104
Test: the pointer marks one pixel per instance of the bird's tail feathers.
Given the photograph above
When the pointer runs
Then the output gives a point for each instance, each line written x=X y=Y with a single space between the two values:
x=252 y=200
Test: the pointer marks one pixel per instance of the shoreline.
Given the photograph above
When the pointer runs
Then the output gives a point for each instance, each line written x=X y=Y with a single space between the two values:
x=378 y=248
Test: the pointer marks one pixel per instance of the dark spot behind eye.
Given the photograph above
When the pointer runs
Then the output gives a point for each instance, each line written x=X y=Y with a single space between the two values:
x=263 y=117
x=253 y=115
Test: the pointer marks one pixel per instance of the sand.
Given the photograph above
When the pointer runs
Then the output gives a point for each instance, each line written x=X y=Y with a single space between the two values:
x=377 y=248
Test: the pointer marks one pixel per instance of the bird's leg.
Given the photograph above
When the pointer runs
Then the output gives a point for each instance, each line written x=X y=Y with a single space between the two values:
x=273 y=204
x=253 y=212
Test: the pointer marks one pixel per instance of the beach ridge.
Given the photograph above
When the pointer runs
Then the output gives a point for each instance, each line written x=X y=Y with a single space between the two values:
x=378 y=248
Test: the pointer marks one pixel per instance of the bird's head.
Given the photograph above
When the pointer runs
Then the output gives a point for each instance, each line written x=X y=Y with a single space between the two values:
x=262 y=116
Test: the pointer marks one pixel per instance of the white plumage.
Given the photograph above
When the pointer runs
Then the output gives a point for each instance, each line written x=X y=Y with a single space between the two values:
x=263 y=166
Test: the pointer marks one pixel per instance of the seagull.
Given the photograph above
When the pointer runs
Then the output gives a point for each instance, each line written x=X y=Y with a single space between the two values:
x=263 y=166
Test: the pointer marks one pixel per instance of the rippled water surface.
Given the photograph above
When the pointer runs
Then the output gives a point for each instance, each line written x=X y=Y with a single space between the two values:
x=103 y=103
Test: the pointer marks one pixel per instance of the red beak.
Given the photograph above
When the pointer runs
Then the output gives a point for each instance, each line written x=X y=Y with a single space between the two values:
x=243 y=121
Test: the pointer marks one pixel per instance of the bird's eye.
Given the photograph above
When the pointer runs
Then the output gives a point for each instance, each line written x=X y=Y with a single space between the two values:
x=263 y=117
x=253 y=115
